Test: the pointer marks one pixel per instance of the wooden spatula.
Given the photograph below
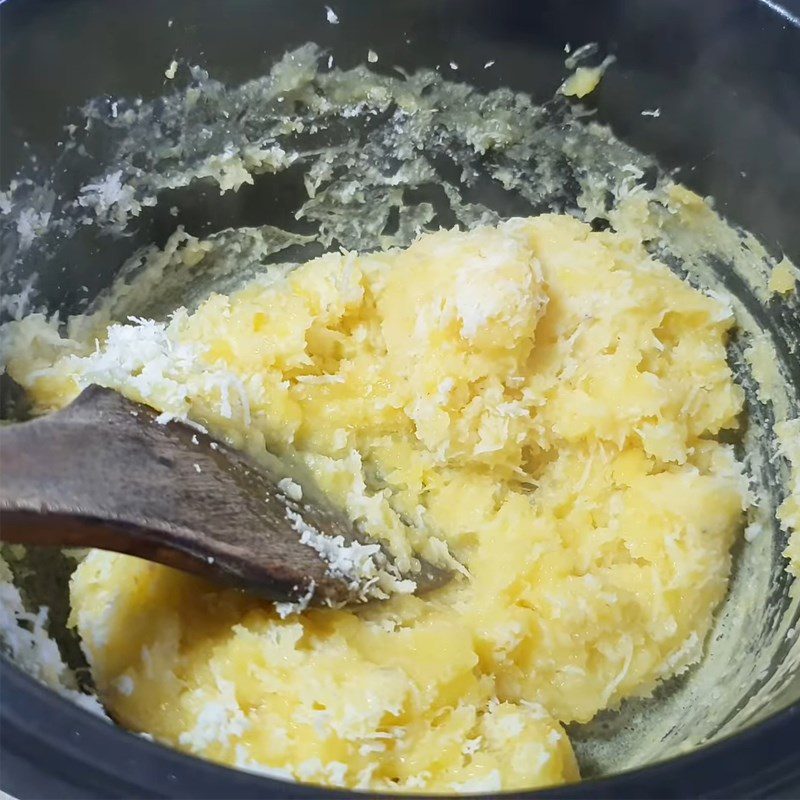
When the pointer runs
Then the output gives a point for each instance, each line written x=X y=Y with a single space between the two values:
x=104 y=473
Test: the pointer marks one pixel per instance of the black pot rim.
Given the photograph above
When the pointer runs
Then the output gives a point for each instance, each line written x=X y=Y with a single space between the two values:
x=86 y=757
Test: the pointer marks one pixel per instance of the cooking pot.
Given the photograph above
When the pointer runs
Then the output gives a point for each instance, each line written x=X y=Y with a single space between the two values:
x=725 y=76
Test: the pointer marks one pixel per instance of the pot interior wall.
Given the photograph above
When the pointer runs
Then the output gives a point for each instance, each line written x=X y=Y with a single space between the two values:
x=725 y=78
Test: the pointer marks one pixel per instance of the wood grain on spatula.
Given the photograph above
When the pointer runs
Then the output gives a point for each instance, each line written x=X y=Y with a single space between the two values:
x=103 y=473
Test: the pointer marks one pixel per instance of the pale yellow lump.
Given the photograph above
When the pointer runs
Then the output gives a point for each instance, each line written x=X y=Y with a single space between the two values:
x=537 y=401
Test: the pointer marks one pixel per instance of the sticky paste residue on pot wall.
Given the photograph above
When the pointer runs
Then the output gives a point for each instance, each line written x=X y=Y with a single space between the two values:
x=27 y=641
x=371 y=160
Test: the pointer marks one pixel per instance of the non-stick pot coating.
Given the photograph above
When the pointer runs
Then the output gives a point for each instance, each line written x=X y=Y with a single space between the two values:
x=726 y=76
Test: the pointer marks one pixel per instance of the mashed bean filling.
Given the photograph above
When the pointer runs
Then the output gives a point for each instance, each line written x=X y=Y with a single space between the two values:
x=535 y=404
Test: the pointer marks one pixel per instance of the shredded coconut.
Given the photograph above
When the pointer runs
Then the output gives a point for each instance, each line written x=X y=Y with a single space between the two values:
x=285 y=609
x=220 y=719
x=291 y=489
x=25 y=638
